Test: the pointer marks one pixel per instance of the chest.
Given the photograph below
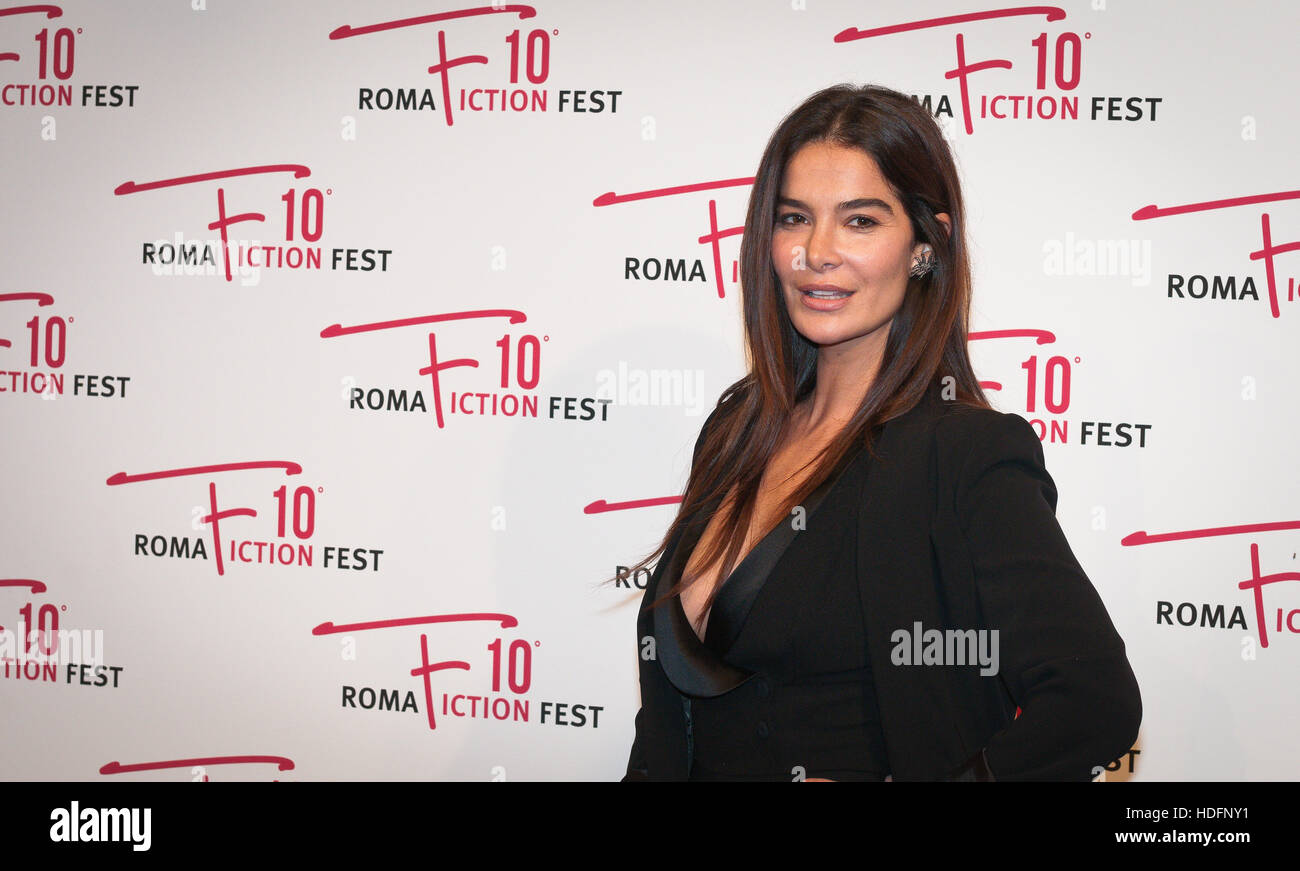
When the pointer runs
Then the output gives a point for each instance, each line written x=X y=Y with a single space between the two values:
x=784 y=475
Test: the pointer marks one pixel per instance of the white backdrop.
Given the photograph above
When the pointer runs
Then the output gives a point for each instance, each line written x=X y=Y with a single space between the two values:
x=1142 y=342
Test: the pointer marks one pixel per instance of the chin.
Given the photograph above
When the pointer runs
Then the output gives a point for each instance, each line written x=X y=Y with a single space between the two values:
x=825 y=335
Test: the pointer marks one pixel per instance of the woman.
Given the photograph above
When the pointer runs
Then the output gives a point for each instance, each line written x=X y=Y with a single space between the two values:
x=899 y=601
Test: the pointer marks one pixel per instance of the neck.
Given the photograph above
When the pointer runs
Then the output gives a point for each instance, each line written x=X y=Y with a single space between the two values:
x=845 y=372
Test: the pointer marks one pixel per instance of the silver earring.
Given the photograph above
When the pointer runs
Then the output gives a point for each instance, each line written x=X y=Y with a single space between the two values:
x=922 y=263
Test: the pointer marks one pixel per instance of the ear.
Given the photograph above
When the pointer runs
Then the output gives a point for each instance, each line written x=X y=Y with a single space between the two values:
x=942 y=218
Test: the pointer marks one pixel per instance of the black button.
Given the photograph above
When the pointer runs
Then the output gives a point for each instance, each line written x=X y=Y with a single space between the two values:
x=763 y=688
x=763 y=730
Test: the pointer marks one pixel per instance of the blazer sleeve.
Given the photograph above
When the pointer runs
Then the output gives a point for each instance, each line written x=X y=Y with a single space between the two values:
x=637 y=767
x=1059 y=654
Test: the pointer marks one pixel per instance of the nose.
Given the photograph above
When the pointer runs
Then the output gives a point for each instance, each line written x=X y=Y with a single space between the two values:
x=823 y=252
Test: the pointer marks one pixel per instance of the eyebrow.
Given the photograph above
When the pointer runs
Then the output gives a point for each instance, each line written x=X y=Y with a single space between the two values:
x=860 y=203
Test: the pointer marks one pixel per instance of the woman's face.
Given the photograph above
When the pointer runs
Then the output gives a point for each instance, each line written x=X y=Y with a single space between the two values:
x=842 y=247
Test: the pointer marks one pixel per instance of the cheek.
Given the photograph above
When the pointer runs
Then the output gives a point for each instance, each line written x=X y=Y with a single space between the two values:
x=781 y=260
x=880 y=265
x=787 y=259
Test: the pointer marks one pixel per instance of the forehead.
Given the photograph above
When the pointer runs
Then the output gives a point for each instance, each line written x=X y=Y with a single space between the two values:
x=833 y=170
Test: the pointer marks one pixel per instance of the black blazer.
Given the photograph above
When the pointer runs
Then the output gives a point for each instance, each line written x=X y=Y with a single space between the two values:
x=957 y=529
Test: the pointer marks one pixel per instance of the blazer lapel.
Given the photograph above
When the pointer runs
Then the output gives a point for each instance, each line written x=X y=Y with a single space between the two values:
x=691 y=667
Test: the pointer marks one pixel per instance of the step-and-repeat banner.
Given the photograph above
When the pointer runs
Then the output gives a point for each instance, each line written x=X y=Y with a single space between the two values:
x=345 y=348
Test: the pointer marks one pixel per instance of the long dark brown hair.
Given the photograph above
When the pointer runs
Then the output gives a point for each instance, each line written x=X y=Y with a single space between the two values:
x=926 y=342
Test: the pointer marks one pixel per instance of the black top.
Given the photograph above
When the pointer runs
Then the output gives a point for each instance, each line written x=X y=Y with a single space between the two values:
x=789 y=618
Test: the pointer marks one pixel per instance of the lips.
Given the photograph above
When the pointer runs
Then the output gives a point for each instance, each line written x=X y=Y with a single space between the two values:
x=824 y=298
x=825 y=291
